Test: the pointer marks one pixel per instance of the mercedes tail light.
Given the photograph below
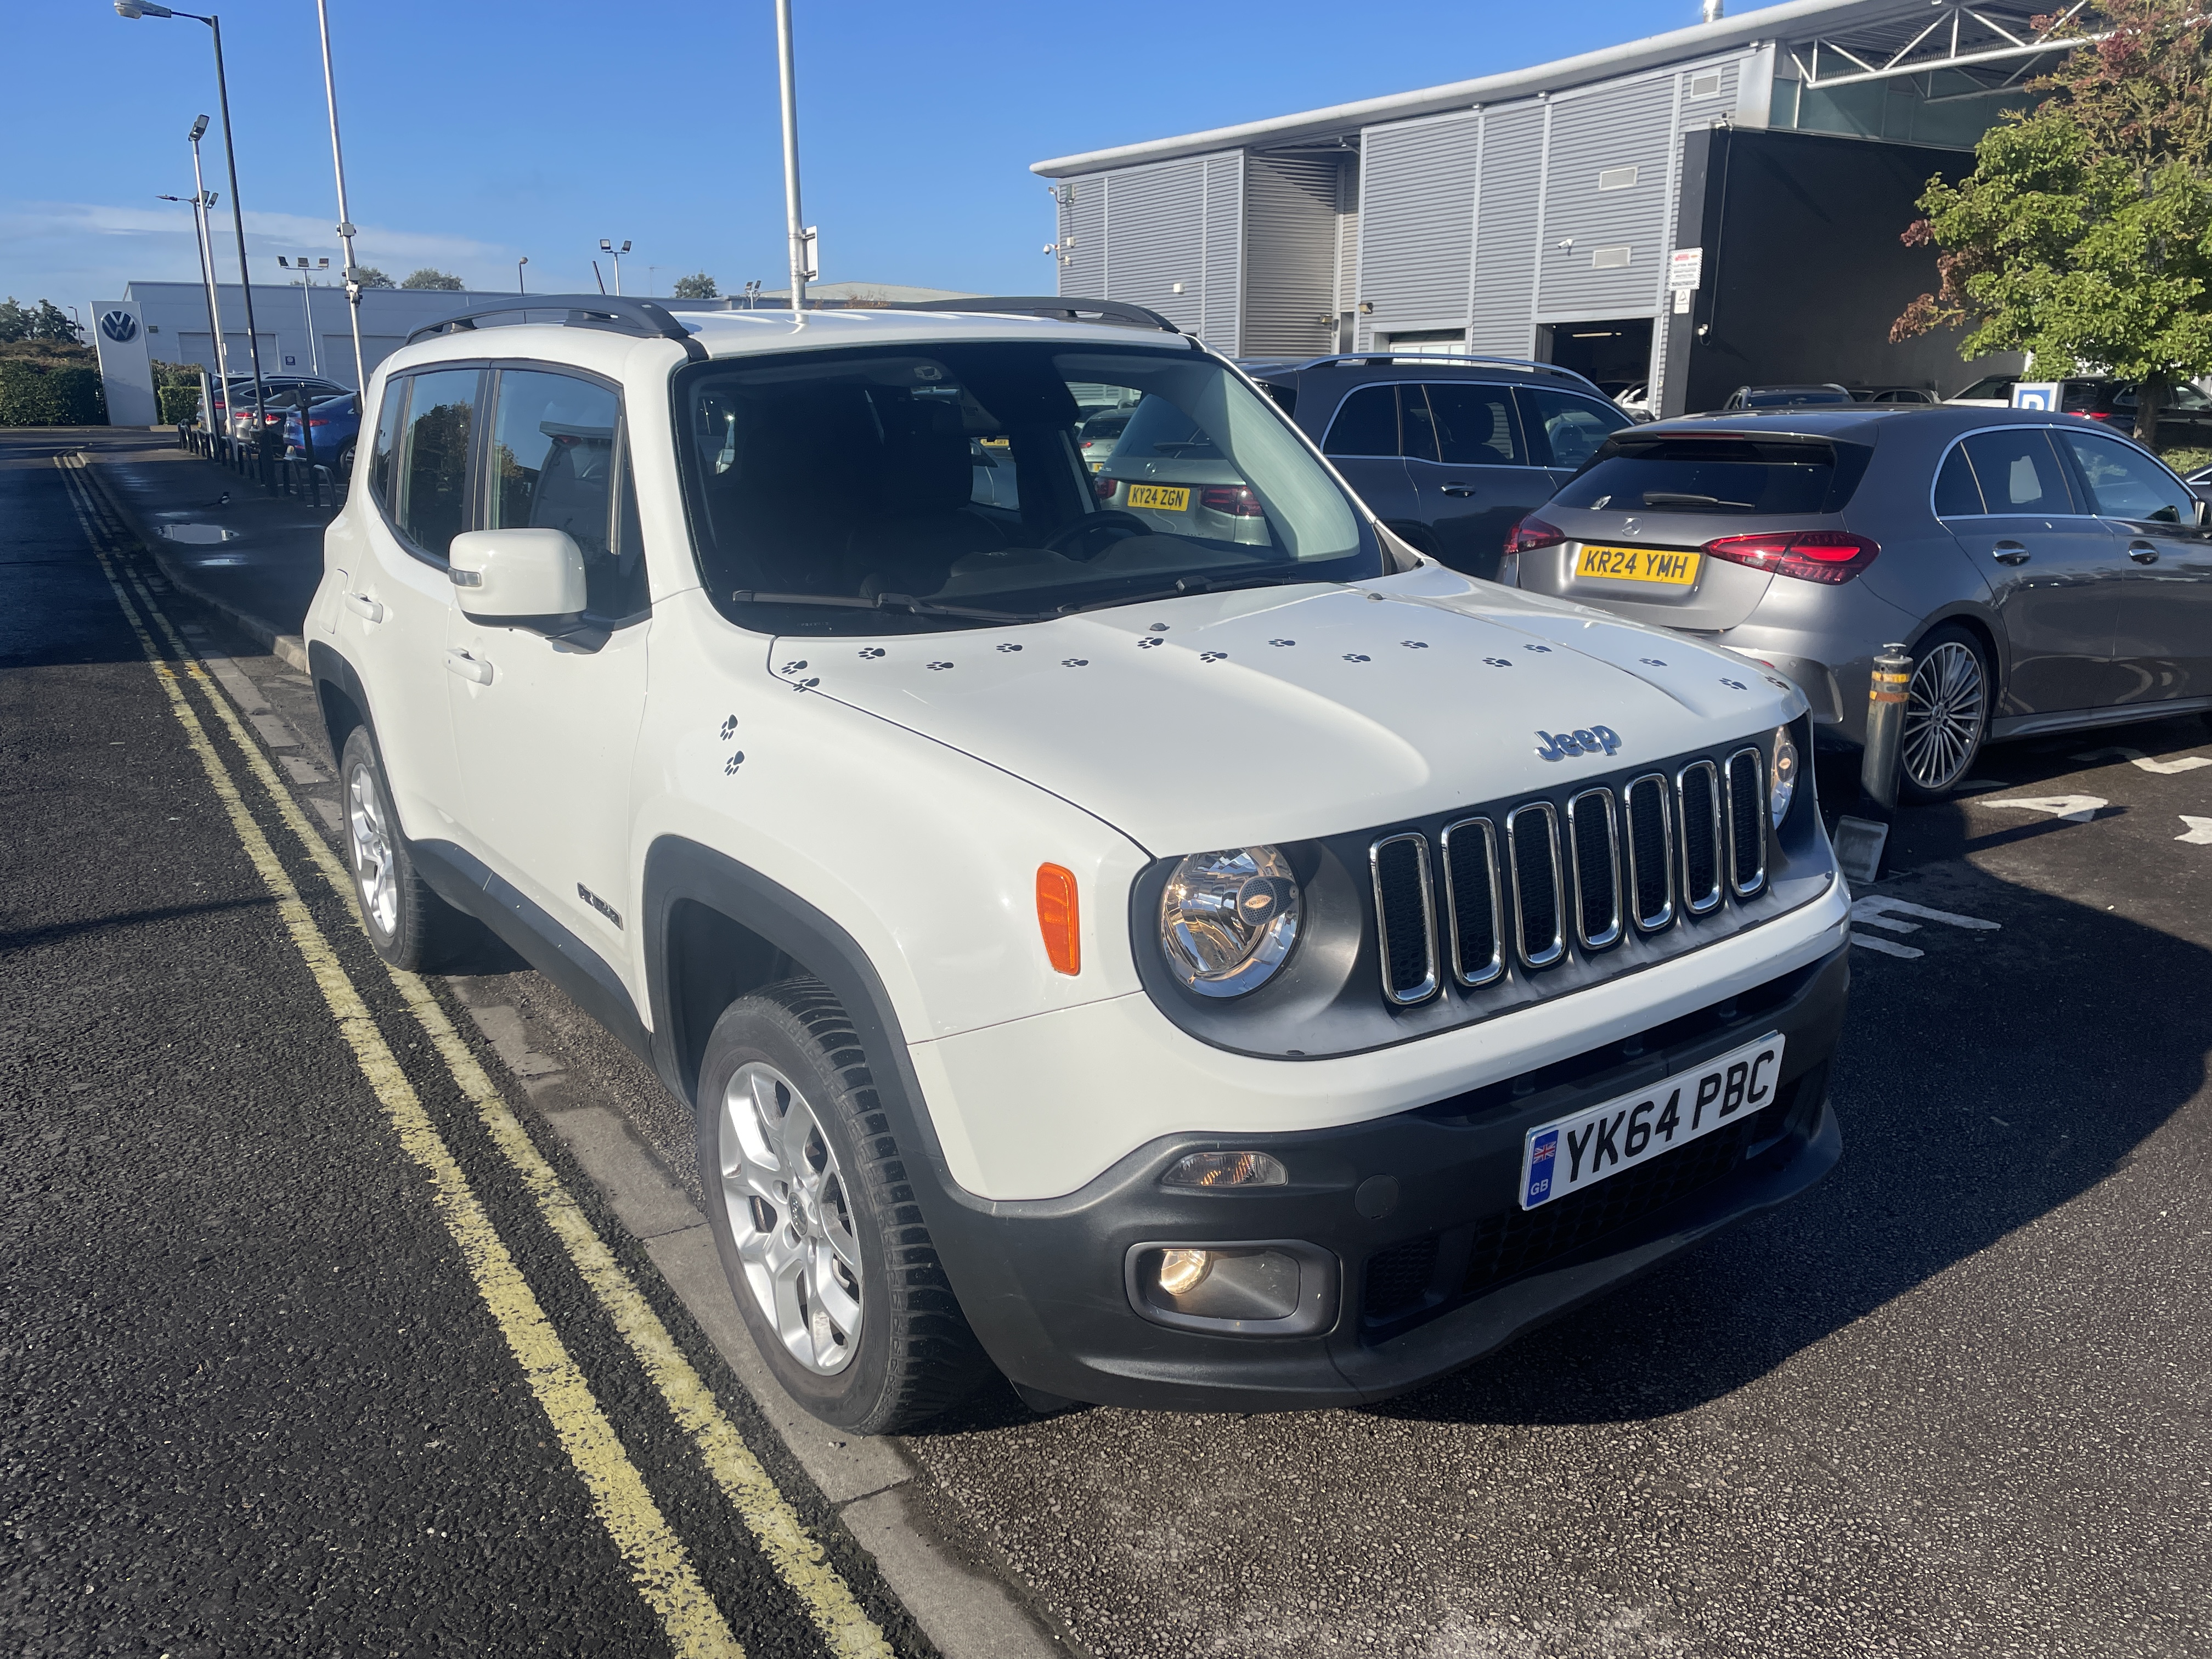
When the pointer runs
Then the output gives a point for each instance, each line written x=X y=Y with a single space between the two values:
x=1236 y=500
x=1833 y=557
x=1532 y=533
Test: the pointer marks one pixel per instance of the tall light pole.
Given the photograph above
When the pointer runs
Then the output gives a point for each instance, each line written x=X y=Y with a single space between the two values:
x=346 y=219
x=207 y=279
x=204 y=199
x=606 y=246
x=135 y=10
x=306 y=305
x=521 y=286
x=801 y=238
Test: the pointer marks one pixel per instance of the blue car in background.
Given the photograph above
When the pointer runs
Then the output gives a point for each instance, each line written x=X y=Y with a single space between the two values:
x=336 y=424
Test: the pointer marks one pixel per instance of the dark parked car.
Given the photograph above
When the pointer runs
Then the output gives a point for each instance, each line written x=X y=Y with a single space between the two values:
x=1449 y=452
x=2184 y=423
x=1896 y=394
x=280 y=394
x=2045 y=574
x=1789 y=397
x=334 y=423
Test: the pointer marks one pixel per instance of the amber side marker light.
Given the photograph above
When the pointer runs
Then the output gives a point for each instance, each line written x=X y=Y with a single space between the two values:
x=1057 y=918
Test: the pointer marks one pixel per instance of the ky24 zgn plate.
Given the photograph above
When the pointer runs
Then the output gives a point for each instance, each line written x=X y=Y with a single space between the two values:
x=1597 y=1143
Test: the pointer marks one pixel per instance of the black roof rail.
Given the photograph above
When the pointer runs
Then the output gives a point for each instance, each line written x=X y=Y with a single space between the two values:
x=1528 y=364
x=584 y=311
x=1047 y=304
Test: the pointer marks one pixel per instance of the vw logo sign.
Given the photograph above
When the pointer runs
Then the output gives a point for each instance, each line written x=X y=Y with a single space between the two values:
x=120 y=326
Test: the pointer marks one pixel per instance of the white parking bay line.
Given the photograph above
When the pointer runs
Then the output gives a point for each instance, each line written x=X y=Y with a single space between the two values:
x=1879 y=910
x=2199 y=832
x=2075 y=809
x=1885 y=946
x=2163 y=768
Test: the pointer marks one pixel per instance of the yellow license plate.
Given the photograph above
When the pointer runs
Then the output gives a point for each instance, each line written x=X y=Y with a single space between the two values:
x=1665 y=566
x=1169 y=497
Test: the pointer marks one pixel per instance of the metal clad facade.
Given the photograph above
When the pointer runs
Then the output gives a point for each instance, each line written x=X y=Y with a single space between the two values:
x=1083 y=237
x=1417 y=223
x=1504 y=302
x=1605 y=203
x=1137 y=232
x=1290 y=254
x=1221 y=294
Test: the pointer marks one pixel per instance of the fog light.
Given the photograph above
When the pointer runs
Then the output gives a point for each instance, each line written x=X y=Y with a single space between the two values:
x=1225 y=1170
x=1182 y=1272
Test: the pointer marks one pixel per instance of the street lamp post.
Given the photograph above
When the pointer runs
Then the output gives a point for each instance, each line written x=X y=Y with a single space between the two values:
x=204 y=199
x=606 y=246
x=306 y=307
x=207 y=280
x=135 y=10
x=521 y=286
x=346 y=219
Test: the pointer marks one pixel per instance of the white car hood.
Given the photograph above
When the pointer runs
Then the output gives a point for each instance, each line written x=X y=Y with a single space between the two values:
x=1281 y=713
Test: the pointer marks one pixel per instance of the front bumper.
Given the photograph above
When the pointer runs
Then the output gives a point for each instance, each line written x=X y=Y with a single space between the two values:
x=1430 y=1266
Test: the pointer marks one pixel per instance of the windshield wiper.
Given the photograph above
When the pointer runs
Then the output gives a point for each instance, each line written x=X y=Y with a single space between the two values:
x=885 y=602
x=1670 y=498
x=1186 y=587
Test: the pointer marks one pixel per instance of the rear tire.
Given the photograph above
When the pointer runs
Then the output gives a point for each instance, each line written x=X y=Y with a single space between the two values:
x=409 y=925
x=1947 y=712
x=816 y=1222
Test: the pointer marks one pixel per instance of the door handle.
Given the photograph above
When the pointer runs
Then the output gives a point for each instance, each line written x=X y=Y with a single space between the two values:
x=361 y=605
x=474 y=670
x=2143 y=552
x=1458 y=490
x=2009 y=553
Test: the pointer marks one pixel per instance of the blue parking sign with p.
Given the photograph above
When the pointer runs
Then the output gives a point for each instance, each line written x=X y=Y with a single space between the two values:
x=2036 y=394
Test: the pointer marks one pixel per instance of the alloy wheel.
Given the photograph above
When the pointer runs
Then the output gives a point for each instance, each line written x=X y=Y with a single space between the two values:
x=792 y=1218
x=371 y=840
x=1945 y=707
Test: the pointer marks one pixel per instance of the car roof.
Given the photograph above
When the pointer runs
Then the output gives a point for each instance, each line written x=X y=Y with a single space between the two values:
x=1417 y=366
x=1851 y=422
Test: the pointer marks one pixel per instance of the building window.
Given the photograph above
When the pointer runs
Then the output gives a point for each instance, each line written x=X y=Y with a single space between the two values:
x=1610 y=258
x=1617 y=178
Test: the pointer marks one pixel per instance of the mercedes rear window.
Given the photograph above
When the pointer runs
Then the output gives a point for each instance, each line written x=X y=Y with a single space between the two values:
x=1718 y=473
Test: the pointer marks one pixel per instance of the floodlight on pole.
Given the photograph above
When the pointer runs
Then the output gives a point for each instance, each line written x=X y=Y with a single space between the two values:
x=135 y=10
x=607 y=246
x=205 y=198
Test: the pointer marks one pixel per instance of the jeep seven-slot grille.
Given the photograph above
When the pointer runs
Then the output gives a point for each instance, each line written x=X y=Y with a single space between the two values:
x=1522 y=888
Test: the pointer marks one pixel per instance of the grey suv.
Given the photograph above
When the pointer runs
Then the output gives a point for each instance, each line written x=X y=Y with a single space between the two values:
x=2046 y=573
x=1449 y=452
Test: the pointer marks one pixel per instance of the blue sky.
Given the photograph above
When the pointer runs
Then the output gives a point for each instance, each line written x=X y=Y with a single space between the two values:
x=475 y=133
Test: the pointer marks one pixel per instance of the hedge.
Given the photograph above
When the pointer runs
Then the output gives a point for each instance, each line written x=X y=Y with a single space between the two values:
x=179 y=403
x=49 y=394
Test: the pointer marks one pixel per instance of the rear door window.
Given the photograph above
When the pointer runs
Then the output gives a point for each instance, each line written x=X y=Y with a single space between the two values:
x=1725 y=474
x=1473 y=425
x=1572 y=428
x=434 y=458
x=2018 y=471
x=2126 y=483
x=1366 y=424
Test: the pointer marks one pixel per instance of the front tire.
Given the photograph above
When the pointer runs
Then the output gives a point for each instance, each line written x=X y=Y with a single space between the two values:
x=409 y=925
x=1947 y=712
x=815 y=1220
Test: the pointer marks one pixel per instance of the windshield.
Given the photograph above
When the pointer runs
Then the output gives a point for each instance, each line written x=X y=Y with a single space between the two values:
x=1717 y=474
x=1998 y=386
x=904 y=489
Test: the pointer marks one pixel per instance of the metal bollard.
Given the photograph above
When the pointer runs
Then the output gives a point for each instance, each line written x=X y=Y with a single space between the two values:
x=1885 y=728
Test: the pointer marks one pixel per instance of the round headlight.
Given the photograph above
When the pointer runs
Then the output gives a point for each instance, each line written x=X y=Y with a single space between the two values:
x=1228 y=919
x=1782 y=776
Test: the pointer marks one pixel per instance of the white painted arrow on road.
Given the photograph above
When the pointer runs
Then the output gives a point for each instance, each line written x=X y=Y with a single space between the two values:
x=2075 y=809
x=1879 y=910
x=2199 y=833
x=2164 y=769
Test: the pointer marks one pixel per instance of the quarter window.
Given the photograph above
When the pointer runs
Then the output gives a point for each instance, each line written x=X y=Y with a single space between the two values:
x=434 y=463
x=559 y=461
x=2018 y=470
x=1366 y=424
x=1956 y=494
x=389 y=413
x=2126 y=483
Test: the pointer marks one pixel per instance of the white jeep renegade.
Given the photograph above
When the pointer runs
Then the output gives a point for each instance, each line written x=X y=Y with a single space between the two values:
x=1153 y=933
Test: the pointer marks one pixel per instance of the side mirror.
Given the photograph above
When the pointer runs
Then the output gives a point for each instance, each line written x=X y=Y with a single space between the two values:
x=519 y=577
x=2204 y=513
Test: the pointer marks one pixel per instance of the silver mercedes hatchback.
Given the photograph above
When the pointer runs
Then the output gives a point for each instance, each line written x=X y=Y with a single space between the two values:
x=2045 y=573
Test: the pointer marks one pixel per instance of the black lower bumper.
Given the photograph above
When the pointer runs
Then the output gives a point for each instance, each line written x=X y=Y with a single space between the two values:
x=1430 y=1266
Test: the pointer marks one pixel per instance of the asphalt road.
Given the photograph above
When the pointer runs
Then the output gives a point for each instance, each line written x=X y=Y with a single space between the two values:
x=294 y=1359
x=1953 y=1400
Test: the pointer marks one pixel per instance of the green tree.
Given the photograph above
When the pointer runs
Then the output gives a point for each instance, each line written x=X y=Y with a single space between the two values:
x=371 y=278
x=698 y=286
x=14 y=321
x=430 y=276
x=2084 y=236
x=50 y=322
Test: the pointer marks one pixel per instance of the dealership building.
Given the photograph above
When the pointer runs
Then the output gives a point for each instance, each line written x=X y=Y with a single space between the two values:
x=1696 y=210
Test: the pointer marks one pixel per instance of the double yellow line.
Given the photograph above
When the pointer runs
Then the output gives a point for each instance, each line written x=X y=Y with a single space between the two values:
x=658 y=1565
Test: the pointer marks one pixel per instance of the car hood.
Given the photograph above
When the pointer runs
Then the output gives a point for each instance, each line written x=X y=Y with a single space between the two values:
x=1283 y=714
